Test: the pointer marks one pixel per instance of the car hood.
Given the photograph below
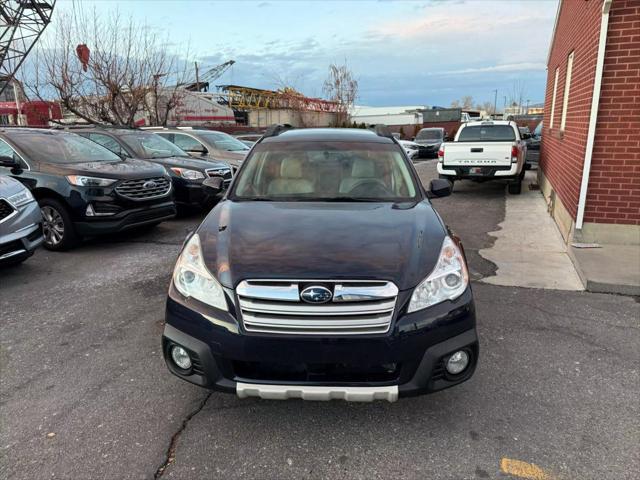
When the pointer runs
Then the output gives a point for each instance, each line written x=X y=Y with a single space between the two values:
x=428 y=143
x=9 y=186
x=190 y=162
x=121 y=170
x=313 y=240
x=233 y=158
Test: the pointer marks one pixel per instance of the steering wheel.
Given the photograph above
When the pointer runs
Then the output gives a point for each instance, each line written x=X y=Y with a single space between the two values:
x=370 y=187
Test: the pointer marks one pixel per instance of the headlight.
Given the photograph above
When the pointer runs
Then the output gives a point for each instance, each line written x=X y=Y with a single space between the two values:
x=192 y=278
x=188 y=174
x=447 y=281
x=82 y=181
x=412 y=147
x=21 y=198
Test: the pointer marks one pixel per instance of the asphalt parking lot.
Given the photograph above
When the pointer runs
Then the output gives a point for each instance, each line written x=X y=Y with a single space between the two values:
x=85 y=394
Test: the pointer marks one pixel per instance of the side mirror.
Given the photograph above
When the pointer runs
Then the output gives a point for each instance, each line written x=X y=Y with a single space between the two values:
x=440 y=187
x=8 y=162
x=201 y=151
x=213 y=185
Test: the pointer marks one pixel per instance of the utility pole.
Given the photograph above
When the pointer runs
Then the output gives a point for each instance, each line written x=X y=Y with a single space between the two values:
x=19 y=117
x=197 y=78
x=495 y=101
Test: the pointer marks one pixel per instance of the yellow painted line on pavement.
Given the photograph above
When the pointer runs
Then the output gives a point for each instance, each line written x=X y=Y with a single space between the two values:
x=522 y=469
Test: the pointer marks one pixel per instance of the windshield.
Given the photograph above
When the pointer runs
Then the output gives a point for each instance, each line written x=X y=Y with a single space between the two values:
x=150 y=145
x=429 y=135
x=63 y=148
x=222 y=141
x=326 y=171
x=487 y=133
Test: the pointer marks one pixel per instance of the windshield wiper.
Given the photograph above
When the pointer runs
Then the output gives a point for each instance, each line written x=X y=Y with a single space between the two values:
x=254 y=199
x=344 y=199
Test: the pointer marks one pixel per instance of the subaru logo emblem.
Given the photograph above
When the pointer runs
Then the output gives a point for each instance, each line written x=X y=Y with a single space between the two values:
x=316 y=294
x=149 y=184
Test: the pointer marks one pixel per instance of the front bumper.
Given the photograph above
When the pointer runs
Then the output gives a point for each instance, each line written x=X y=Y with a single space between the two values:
x=428 y=151
x=408 y=360
x=127 y=219
x=22 y=234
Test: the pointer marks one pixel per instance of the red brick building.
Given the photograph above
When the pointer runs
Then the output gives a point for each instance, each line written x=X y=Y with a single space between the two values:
x=590 y=153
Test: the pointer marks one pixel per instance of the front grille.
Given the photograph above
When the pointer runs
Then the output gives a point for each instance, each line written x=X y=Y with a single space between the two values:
x=315 y=372
x=144 y=188
x=225 y=173
x=5 y=209
x=357 y=307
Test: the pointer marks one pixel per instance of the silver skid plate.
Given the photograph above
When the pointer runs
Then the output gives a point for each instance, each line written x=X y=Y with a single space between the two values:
x=350 y=394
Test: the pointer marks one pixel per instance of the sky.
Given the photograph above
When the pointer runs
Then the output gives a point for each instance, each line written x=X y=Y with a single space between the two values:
x=420 y=52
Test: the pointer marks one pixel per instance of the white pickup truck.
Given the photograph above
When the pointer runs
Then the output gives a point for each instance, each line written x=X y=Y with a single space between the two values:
x=483 y=151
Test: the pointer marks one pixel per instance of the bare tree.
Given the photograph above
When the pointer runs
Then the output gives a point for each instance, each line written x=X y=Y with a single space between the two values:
x=107 y=70
x=517 y=94
x=341 y=87
x=486 y=106
x=466 y=103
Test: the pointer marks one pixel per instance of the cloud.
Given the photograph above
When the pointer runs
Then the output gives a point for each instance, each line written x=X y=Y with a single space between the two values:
x=510 y=67
x=263 y=4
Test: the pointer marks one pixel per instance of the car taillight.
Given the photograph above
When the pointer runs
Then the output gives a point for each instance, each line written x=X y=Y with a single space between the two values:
x=514 y=151
x=441 y=152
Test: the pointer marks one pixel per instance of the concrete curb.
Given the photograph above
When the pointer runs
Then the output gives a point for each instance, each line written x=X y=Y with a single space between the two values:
x=596 y=286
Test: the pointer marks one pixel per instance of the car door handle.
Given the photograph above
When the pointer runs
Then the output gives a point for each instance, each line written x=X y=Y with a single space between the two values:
x=477 y=150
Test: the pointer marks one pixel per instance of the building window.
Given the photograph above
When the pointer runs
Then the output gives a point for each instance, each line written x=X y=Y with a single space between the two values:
x=567 y=86
x=553 y=98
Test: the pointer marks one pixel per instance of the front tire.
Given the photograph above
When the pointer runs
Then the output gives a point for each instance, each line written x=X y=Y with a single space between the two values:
x=57 y=227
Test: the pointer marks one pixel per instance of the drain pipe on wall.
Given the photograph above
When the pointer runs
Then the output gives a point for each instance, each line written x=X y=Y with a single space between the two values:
x=593 y=117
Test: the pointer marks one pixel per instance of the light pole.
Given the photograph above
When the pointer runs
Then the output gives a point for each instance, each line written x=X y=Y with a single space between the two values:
x=495 y=101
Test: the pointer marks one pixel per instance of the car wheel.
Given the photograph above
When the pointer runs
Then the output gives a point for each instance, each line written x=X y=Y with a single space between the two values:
x=57 y=227
x=516 y=187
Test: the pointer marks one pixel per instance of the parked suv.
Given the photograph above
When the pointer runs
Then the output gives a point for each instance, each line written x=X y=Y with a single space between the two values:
x=20 y=220
x=430 y=140
x=82 y=188
x=186 y=172
x=207 y=143
x=324 y=273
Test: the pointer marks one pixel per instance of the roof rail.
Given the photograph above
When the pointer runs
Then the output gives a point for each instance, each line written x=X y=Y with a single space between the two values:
x=72 y=126
x=381 y=130
x=276 y=129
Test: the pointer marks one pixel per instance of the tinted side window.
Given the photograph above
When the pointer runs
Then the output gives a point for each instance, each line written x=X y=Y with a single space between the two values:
x=186 y=142
x=106 y=142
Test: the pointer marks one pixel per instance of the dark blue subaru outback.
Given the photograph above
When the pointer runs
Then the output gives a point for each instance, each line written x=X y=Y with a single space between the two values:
x=325 y=273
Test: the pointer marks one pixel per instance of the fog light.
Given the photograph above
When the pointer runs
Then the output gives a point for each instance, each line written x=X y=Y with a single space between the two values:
x=457 y=362
x=180 y=357
x=90 y=212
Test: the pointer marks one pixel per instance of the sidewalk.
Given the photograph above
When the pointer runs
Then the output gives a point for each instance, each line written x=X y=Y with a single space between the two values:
x=609 y=269
x=529 y=251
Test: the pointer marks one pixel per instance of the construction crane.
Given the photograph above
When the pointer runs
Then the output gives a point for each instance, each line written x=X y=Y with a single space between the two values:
x=21 y=24
x=202 y=81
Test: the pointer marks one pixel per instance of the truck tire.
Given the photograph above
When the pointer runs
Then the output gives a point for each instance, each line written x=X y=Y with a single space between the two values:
x=515 y=187
x=59 y=232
